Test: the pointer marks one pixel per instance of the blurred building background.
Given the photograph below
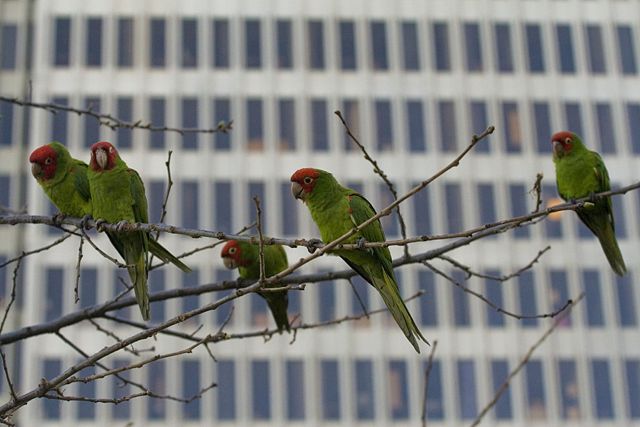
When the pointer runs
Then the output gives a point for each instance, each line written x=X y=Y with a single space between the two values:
x=415 y=79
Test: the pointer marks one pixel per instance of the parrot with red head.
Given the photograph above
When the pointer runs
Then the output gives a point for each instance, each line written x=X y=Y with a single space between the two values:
x=336 y=210
x=581 y=173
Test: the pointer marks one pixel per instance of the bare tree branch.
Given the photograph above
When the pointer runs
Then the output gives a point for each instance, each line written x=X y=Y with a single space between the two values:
x=427 y=373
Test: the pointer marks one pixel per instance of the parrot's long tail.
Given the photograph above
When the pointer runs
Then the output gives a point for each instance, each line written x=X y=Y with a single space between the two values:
x=389 y=292
x=609 y=244
x=138 y=274
x=161 y=252
x=278 y=303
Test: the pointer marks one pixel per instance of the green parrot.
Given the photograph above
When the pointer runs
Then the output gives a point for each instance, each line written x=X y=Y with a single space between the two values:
x=336 y=210
x=118 y=197
x=63 y=179
x=245 y=257
x=581 y=173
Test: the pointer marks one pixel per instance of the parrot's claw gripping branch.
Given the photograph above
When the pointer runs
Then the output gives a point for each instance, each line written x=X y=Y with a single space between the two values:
x=313 y=245
x=100 y=222
x=122 y=225
x=360 y=244
x=58 y=218
x=84 y=222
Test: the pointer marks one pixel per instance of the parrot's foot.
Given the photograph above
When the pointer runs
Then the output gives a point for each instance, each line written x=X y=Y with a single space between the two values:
x=83 y=222
x=122 y=225
x=100 y=222
x=361 y=242
x=58 y=218
x=313 y=245
x=592 y=197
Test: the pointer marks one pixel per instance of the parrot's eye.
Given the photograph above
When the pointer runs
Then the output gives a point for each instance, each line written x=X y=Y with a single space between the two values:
x=48 y=161
x=232 y=251
x=308 y=180
x=567 y=140
x=111 y=149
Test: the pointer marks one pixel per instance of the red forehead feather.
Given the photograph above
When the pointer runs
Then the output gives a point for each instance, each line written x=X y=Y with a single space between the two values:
x=230 y=244
x=561 y=136
x=40 y=154
x=102 y=144
x=300 y=174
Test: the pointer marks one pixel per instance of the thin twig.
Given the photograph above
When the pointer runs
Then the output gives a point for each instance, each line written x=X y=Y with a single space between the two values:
x=14 y=285
x=12 y=390
x=355 y=291
x=35 y=251
x=165 y=200
x=427 y=372
x=537 y=191
x=256 y=200
x=76 y=294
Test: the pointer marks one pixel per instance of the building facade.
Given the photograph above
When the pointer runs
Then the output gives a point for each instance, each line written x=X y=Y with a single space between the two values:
x=415 y=80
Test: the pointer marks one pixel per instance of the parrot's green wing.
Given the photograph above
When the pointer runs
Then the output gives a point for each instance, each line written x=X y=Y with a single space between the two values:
x=80 y=180
x=604 y=185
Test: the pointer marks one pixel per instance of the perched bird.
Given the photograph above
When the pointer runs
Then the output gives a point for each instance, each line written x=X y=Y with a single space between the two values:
x=336 y=210
x=118 y=196
x=582 y=173
x=63 y=179
x=245 y=257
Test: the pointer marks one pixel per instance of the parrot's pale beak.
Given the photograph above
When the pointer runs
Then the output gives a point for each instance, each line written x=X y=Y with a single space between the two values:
x=229 y=262
x=297 y=190
x=558 y=150
x=101 y=158
x=36 y=170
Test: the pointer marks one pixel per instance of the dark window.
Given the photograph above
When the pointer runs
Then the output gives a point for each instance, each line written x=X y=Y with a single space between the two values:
x=91 y=126
x=453 y=202
x=410 y=46
x=59 y=122
x=473 y=46
x=189 y=112
x=223 y=203
x=119 y=279
x=421 y=212
x=158 y=43
x=124 y=108
x=8 y=46
x=157 y=383
x=6 y=122
x=330 y=389
x=398 y=393
x=569 y=389
x=632 y=373
x=252 y=44
x=593 y=310
x=93 y=51
x=428 y=303
x=479 y=122
x=606 y=133
x=62 y=48
x=319 y=125
x=284 y=44
x=362 y=289
x=553 y=224
x=157 y=283
x=119 y=390
x=379 y=56
x=289 y=222
x=189 y=51
x=126 y=37
x=595 y=46
x=573 y=117
x=625 y=305
x=55 y=286
x=603 y=398
x=535 y=51
x=384 y=124
x=626 y=49
x=326 y=301
x=351 y=114
x=51 y=408
x=618 y=207
x=220 y=46
x=415 y=126
x=441 y=46
x=191 y=387
x=190 y=302
x=222 y=113
x=536 y=400
x=447 y=119
x=486 y=203
x=255 y=126
x=467 y=405
x=316 y=45
x=189 y=206
x=542 y=125
x=460 y=299
x=286 y=124
x=499 y=374
x=5 y=201
x=347 y=45
x=512 y=127
x=493 y=291
x=566 y=56
x=365 y=402
x=390 y=223
x=226 y=390
x=527 y=299
x=88 y=287
x=156 y=198
x=294 y=371
x=435 y=402
x=633 y=122
x=223 y=314
x=256 y=189
x=559 y=293
x=260 y=390
x=503 y=48
x=157 y=109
